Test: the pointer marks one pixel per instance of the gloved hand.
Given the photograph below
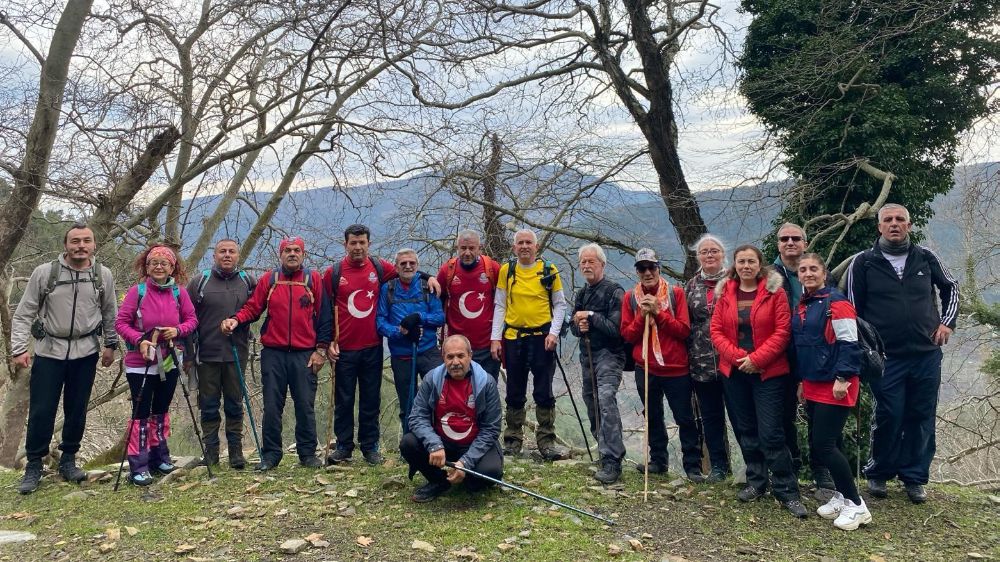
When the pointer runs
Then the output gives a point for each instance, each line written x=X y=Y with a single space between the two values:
x=411 y=323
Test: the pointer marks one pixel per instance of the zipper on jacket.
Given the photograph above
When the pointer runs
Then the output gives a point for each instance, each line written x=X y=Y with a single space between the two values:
x=291 y=289
x=72 y=314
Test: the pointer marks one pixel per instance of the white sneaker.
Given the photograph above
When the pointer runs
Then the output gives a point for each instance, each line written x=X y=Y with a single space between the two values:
x=853 y=516
x=831 y=509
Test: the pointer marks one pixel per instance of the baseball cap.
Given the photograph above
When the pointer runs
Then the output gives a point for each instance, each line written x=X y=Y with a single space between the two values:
x=646 y=254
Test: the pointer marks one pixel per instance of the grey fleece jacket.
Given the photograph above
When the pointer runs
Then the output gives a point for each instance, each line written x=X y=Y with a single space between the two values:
x=70 y=311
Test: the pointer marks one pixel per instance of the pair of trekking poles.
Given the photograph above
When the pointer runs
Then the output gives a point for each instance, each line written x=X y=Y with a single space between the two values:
x=158 y=360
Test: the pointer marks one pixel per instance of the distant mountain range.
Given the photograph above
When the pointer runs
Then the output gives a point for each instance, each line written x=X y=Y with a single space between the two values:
x=418 y=211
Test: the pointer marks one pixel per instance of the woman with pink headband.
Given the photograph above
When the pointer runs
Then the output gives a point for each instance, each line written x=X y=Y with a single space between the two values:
x=155 y=317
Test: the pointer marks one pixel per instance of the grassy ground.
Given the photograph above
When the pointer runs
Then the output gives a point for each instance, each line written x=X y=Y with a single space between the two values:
x=365 y=513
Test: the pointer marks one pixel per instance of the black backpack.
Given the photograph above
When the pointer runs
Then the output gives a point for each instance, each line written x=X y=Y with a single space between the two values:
x=872 y=349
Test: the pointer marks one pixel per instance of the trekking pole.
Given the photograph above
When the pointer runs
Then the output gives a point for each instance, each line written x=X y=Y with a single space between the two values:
x=187 y=398
x=529 y=492
x=593 y=390
x=333 y=380
x=135 y=409
x=645 y=409
x=246 y=399
x=572 y=400
x=413 y=386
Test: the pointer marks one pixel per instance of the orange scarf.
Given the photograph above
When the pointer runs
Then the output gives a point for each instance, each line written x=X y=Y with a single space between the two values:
x=663 y=297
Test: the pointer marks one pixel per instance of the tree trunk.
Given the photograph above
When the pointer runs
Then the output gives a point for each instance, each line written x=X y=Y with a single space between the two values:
x=494 y=243
x=14 y=408
x=31 y=176
x=112 y=205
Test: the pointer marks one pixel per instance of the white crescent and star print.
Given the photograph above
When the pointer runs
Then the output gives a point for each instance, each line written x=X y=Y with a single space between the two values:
x=464 y=309
x=353 y=309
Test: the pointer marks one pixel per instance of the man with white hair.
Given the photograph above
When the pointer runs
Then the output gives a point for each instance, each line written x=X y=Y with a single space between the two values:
x=892 y=286
x=527 y=316
x=597 y=314
x=468 y=283
x=408 y=317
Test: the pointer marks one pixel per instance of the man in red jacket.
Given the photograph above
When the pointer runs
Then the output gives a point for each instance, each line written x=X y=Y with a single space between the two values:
x=664 y=306
x=295 y=337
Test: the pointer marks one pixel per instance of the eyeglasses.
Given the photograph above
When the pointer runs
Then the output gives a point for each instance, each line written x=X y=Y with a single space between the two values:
x=790 y=238
x=407 y=264
x=154 y=264
x=712 y=252
x=644 y=267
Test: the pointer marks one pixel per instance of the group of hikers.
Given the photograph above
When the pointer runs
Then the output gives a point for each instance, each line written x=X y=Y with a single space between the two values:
x=741 y=336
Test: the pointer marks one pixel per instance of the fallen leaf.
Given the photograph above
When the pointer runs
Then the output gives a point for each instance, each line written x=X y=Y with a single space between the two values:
x=314 y=537
x=506 y=546
x=876 y=558
x=114 y=534
x=322 y=480
x=888 y=536
x=281 y=513
x=252 y=488
x=184 y=548
x=132 y=531
x=364 y=541
x=188 y=486
x=467 y=553
x=352 y=493
x=106 y=547
x=487 y=517
x=635 y=544
x=421 y=545
x=614 y=549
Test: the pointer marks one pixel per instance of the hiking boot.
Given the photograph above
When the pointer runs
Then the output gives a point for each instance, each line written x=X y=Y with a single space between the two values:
x=32 y=476
x=511 y=448
x=236 y=459
x=69 y=471
x=338 y=456
x=141 y=478
x=610 y=472
x=311 y=462
x=265 y=465
x=823 y=479
x=916 y=493
x=877 y=488
x=551 y=453
x=695 y=476
x=545 y=432
x=373 y=457
x=514 y=431
x=796 y=508
x=718 y=474
x=211 y=455
x=749 y=494
x=655 y=467
x=853 y=516
x=831 y=509
x=430 y=491
x=165 y=468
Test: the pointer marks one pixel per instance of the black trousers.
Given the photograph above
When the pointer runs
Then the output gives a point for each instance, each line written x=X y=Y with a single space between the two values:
x=524 y=355
x=283 y=372
x=485 y=359
x=402 y=370
x=491 y=464
x=756 y=407
x=677 y=391
x=789 y=415
x=218 y=382
x=360 y=371
x=51 y=378
x=712 y=404
x=156 y=394
x=827 y=428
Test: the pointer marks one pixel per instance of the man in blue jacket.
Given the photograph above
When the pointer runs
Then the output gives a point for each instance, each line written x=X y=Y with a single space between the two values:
x=456 y=418
x=892 y=286
x=408 y=316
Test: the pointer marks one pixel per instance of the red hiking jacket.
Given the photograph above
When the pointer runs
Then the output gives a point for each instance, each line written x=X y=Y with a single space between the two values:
x=770 y=320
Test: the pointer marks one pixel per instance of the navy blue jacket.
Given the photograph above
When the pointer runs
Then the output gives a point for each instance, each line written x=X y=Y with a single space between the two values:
x=484 y=388
x=825 y=334
x=406 y=302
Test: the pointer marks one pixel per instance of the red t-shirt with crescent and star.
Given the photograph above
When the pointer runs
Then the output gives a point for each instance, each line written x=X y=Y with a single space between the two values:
x=357 y=299
x=455 y=413
x=470 y=303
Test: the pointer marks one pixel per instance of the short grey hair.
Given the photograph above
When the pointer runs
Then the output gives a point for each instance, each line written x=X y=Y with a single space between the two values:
x=406 y=251
x=596 y=248
x=796 y=227
x=468 y=234
x=891 y=206
x=707 y=237
x=534 y=237
x=459 y=337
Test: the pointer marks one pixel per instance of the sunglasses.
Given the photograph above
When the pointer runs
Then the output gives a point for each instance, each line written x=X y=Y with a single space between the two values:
x=790 y=238
x=644 y=267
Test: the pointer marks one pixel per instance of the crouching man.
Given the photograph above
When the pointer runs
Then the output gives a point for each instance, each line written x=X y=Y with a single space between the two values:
x=455 y=418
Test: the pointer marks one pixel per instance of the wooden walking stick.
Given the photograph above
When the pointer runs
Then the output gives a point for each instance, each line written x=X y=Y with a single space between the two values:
x=333 y=379
x=645 y=408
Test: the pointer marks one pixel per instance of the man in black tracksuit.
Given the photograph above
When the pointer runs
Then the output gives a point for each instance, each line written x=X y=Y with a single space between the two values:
x=597 y=312
x=892 y=287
